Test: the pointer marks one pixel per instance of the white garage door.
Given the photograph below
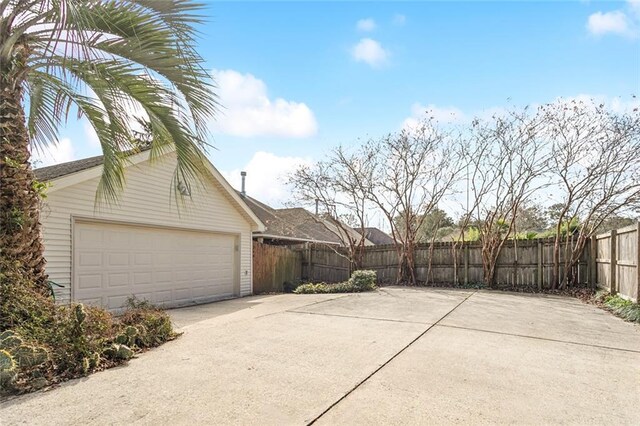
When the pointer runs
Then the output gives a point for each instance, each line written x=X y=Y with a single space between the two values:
x=165 y=266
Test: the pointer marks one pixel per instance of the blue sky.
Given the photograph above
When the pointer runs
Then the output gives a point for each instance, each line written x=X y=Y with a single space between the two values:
x=297 y=78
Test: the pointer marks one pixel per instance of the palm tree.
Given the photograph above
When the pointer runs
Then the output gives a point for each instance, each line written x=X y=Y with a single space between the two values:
x=103 y=59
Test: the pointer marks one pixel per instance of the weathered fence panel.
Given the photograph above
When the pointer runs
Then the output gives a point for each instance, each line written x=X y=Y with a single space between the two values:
x=618 y=260
x=524 y=263
x=324 y=264
x=273 y=266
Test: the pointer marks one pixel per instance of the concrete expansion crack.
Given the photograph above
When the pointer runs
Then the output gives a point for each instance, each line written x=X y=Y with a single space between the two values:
x=547 y=339
x=354 y=317
x=388 y=361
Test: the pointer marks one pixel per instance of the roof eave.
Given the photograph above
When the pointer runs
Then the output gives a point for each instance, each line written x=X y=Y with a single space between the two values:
x=302 y=240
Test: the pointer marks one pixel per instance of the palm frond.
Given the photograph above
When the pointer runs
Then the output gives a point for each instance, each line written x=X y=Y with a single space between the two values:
x=111 y=59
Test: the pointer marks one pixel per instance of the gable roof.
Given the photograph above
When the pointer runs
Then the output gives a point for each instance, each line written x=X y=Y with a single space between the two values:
x=298 y=224
x=377 y=236
x=72 y=172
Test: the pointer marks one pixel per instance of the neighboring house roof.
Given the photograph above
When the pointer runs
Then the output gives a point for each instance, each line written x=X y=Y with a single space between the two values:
x=66 y=174
x=298 y=225
x=59 y=170
x=377 y=236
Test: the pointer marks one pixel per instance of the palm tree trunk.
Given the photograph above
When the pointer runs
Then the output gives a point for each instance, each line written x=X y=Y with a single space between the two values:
x=20 y=237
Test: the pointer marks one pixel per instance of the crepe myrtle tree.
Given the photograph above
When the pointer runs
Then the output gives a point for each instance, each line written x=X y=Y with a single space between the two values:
x=99 y=59
x=506 y=159
x=595 y=169
x=415 y=169
x=338 y=186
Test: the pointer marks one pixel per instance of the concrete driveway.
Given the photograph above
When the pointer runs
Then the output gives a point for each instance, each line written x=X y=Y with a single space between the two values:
x=396 y=356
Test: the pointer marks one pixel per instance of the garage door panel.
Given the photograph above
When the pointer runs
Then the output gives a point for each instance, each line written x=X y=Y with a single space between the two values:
x=115 y=239
x=118 y=259
x=88 y=258
x=163 y=277
x=96 y=301
x=118 y=279
x=162 y=297
x=165 y=266
x=142 y=278
x=114 y=302
x=88 y=237
x=144 y=259
x=89 y=281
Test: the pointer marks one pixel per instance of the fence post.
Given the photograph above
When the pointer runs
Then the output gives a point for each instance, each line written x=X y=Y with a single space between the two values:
x=540 y=266
x=466 y=263
x=613 y=261
x=593 y=262
x=307 y=262
x=638 y=262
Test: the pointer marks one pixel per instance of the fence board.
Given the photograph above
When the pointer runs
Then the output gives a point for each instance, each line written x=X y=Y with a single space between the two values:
x=617 y=260
x=273 y=266
x=324 y=264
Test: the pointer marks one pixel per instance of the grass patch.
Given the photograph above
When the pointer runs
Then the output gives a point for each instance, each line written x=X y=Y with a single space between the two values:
x=623 y=308
x=42 y=344
x=360 y=281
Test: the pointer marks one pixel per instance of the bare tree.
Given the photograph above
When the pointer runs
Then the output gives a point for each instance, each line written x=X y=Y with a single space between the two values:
x=339 y=186
x=414 y=170
x=506 y=158
x=595 y=167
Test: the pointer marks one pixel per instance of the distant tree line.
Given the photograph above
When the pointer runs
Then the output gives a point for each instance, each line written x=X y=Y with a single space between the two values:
x=565 y=170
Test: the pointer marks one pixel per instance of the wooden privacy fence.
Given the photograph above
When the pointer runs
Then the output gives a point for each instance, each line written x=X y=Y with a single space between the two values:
x=617 y=256
x=610 y=261
x=273 y=266
x=522 y=264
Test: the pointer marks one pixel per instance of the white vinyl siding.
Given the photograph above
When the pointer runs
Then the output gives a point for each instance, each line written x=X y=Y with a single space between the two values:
x=146 y=200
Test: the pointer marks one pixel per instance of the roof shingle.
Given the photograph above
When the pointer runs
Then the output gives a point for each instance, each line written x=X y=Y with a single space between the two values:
x=59 y=170
x=297 y=223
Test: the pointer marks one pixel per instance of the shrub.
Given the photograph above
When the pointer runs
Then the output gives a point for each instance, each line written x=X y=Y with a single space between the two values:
x=42 y=343
x=623 y=308
x=363 y=280
x=360 y=281
x=146 y=325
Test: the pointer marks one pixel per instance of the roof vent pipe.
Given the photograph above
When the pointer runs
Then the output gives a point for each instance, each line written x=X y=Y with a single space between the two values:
x=244 y=177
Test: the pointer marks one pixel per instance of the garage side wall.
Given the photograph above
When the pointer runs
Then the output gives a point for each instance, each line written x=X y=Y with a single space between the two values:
x=146 y=200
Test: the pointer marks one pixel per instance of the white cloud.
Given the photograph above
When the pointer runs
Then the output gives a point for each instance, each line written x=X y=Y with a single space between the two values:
x=399 y=19
x=443 y=115
x=621 y=22
x=367 y=24
x=60 y=152
x=370 y=52
x=619 y=105
x=248 y=111
x=615 y=22
x=267 y=176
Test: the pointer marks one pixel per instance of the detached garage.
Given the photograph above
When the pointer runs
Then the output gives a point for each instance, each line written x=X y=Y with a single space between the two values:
x=145 y=245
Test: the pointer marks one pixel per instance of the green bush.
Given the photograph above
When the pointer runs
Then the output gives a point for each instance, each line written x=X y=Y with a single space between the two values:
x=146 y=325
x=360 y=281
x=623 y=308
x=363 y=280
x=42 y=343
